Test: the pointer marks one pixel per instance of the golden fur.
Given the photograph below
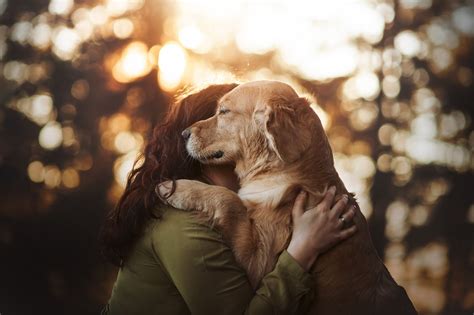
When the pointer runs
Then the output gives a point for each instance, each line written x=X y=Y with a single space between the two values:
x=279 y=146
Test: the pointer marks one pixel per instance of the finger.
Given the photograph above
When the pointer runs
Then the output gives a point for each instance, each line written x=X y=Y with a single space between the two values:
x=328 y=198
x=349 y=215
x=340 y=223
x=339 y=207
x=300 y=201
x=347 y=232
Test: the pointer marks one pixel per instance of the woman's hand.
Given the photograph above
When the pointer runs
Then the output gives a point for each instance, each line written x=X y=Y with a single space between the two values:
x=320 y=228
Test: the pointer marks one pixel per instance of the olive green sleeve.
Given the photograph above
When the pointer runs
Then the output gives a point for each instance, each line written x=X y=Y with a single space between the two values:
x=207 y=276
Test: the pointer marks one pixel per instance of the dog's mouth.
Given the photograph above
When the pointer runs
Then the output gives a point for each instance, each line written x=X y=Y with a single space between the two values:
x=216 y=155
x=207 y=157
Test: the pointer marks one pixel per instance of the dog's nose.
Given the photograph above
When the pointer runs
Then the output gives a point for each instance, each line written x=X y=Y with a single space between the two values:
x=186 y=133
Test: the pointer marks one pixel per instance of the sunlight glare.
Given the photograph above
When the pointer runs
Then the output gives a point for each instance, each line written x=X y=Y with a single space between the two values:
x=172 y=62
x=61 y=7
x=66 y=41
x=133 y=63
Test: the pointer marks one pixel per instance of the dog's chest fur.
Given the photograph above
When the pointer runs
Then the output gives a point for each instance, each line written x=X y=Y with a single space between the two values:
x=266 y=192
x=264 y=199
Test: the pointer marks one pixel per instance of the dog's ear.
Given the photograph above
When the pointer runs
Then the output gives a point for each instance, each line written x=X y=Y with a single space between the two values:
x=287 y=127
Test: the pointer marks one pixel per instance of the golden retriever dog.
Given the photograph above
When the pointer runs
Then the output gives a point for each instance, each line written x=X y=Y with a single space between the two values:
x=279 y=146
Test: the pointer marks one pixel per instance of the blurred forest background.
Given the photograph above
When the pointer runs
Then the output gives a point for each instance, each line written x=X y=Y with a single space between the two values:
x=82 y=82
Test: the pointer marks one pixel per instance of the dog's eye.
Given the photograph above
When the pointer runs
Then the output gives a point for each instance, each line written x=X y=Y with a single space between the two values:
x=223 y=111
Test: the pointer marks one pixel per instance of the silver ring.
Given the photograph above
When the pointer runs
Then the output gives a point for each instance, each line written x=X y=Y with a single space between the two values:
x=343 y=220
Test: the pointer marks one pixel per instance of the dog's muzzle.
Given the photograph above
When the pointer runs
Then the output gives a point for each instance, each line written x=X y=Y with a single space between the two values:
x=186 y=133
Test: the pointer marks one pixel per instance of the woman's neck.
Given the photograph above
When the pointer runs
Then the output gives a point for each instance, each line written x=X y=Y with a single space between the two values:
x=221 y=175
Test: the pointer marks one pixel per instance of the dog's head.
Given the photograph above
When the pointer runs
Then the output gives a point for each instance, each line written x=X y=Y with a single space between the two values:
x=254 y=119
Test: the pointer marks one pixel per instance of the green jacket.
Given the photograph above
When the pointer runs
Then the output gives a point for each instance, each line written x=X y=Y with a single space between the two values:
x=180 y=266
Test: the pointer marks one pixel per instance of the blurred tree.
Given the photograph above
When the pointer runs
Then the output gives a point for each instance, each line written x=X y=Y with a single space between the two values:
x=56 y=174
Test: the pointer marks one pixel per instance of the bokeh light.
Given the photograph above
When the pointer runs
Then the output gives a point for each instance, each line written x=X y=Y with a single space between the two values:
x=132 y=64
x=51 y=136
x=172 y=64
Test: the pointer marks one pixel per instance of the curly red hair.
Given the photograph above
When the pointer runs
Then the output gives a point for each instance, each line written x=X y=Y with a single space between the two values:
x=164 y=158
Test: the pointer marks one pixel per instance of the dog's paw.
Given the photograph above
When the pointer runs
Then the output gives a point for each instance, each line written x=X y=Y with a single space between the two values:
x=185 y=195
x=163 y=190
x=169 y=197
x=189 y=195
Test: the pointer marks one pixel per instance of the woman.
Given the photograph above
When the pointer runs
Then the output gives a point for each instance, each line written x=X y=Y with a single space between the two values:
x=171 y=264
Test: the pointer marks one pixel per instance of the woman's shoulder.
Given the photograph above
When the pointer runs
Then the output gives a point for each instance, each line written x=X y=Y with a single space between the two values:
x=171 y=217
x=177 y=226
x=179 y=236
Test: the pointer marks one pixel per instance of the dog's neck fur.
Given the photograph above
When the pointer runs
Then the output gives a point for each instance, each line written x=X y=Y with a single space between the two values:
x=263 y=181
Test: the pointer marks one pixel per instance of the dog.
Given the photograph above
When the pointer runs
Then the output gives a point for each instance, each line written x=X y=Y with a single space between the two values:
x=278 y=146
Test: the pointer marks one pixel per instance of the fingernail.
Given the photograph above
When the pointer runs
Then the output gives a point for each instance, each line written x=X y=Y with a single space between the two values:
x=332 y=188
x=345 y=197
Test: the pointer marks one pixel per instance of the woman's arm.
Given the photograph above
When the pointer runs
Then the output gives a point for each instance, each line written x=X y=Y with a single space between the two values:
x=204 y=270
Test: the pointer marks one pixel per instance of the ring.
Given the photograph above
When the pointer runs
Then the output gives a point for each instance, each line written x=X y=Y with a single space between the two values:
x=343 y=220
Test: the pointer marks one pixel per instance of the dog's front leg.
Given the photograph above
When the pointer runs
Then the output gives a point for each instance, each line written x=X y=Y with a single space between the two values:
x=214 y=201
x=252 y=249
x=224 y=209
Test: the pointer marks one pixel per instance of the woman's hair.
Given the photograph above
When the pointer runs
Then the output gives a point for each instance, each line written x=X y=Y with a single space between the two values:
x=164 y=158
